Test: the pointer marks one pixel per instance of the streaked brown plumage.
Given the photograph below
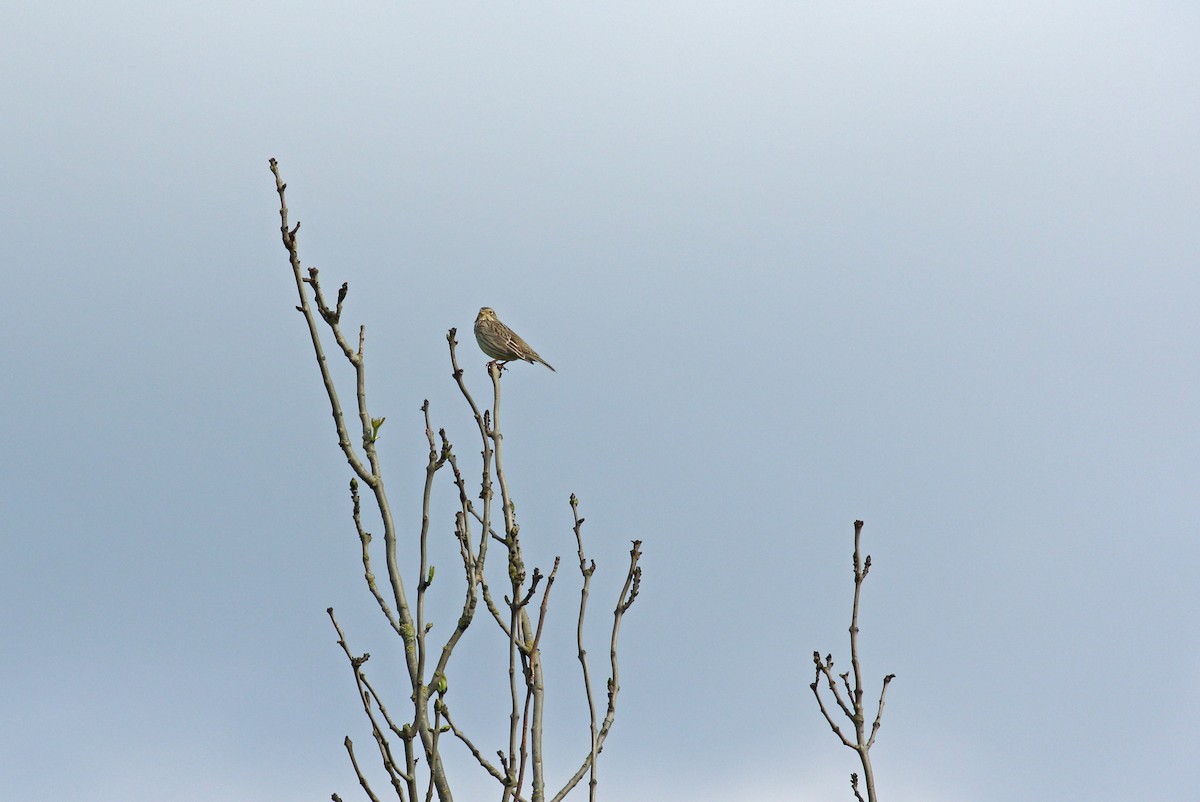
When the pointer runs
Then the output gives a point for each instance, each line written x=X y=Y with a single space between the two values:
x=502 y=343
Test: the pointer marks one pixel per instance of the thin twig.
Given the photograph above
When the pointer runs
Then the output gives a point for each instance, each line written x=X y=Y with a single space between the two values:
x=290 y=236
x=425 y=572
x=586 y=569
x=824 y=669
x=354 y=762
x=365 y=538
x=532 y=660
x=367 y=694
x=854 y=787
x=629 y=592
x=474 y=750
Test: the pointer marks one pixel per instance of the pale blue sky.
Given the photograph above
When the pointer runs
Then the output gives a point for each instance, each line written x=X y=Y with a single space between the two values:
x=932 y=265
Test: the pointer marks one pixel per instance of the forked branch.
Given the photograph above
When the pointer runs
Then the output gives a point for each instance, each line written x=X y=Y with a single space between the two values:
x=851 y=702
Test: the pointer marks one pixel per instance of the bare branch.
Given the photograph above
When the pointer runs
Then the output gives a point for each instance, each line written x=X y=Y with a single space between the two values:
x=823 y=669
x=367 y=695
x=481 y=423
x=633 y=578
x=532 y=661
x=354 y=762
x=854 y=787
x=365 y=538
x=498 y=774
x=879 y=712
x=852 y=706
x=424 y=571
x=291 y=244
x=420 y=735
x=367 y=469
x=487 y=766
x=372 y=477
x=586 y=569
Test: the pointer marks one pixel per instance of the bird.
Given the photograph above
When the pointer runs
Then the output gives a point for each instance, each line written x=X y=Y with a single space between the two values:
x=502 y=343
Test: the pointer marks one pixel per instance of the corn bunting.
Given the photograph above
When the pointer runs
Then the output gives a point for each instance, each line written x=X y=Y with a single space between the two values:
x=502 y=343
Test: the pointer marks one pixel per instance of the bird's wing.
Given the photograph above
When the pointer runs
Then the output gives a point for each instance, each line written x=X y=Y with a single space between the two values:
x=517 y=345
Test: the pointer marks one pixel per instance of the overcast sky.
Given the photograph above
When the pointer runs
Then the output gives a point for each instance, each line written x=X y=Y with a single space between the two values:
x=931 y=265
